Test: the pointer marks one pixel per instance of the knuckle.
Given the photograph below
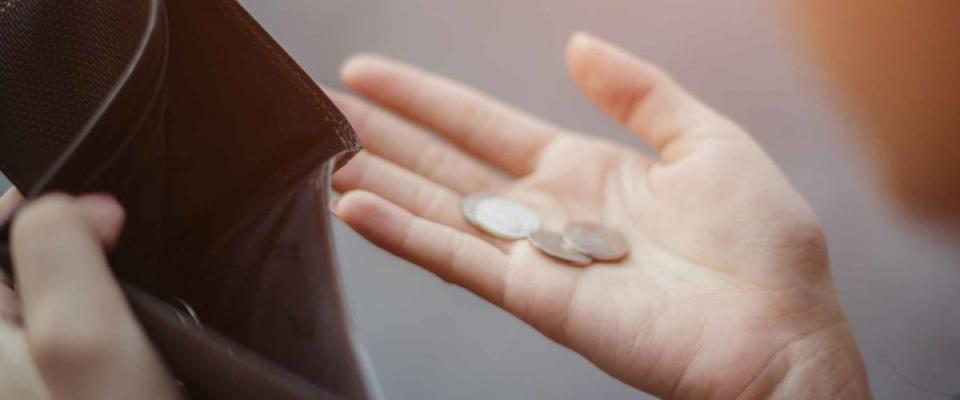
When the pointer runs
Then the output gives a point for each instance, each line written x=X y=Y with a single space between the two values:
x=430 y=201
x=479 y=124
x=452 y=258
x=628 y=103
x=430 y=160
x=657 y=72
x=44 y=216
x=808 y=233
x=363 y=117
x=54 y=345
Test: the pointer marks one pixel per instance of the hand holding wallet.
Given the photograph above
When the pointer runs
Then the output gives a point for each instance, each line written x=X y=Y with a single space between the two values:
x=220 y=148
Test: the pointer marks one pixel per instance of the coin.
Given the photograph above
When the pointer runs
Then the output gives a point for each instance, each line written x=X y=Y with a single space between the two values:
x=500 y=216
x=553 y=244
x=595 y=240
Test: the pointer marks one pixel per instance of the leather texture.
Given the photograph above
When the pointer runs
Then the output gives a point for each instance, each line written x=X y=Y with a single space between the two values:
x=221 y=149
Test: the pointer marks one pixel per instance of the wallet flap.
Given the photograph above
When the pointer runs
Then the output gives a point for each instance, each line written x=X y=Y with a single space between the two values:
x=65 y=66
x=245 y=229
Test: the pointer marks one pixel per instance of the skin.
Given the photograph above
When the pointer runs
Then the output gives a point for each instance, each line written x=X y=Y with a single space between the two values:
x=726 y=292
x=68 y=333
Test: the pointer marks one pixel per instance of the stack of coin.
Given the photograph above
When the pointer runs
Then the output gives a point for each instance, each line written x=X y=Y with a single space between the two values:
x=579 y=243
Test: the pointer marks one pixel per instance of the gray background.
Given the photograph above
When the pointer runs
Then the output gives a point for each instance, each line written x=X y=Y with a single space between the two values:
x=428 y=340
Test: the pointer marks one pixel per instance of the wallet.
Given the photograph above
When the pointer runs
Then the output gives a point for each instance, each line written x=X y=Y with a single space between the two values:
x=221 y=150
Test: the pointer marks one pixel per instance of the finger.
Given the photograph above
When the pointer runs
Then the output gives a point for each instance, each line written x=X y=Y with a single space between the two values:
x=9 y=202
x=83 y=337
x=507 y=138
x=410 y=147
x=20 y=379
x=412 y=192
x=9 y=305
x=641 y=96
x=454 y=256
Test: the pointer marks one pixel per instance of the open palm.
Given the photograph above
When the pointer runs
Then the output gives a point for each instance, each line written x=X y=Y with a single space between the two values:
x=726 y=288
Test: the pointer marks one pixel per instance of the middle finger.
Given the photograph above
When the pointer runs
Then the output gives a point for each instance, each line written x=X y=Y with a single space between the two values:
x=410 y=147
x=410 y=191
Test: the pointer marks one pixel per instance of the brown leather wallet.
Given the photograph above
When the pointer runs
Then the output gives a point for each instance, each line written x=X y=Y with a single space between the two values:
x=221 y=150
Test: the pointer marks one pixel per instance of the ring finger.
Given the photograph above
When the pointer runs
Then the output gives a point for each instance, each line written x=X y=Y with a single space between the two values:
x=406 y=189
x=419 y=152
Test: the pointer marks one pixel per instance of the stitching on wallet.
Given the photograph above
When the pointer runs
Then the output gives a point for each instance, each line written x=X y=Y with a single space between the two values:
x=293 y=75
x=7 y=5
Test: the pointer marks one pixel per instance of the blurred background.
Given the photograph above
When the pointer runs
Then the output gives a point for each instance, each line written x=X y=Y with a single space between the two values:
x=430 y=340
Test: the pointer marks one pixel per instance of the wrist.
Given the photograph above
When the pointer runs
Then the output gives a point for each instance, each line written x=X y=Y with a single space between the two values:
x=823 y=365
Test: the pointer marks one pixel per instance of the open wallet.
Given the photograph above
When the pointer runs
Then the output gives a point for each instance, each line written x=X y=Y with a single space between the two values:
x=221 y=150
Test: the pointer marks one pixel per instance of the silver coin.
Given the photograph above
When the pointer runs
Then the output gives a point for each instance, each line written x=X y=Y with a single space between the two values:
x=553 y=244
x=468 y=206
x=595 y=240
x=500 y=216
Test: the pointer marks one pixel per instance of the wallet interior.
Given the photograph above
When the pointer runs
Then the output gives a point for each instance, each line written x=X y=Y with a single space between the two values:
x=220 y=148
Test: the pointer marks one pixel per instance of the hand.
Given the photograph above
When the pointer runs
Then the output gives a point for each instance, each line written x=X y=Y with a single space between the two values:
x=67 y=332
x=726 y=292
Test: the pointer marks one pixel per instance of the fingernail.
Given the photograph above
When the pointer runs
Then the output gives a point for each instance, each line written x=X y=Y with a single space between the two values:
x=334 y=202
x=348 y=67
x=582 y=39
x=98 y=198
x=103 y=204
x=356 y=63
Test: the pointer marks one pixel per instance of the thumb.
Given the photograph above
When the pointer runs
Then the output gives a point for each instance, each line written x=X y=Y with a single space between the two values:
x=640 y=95
x=103 y=215
x=80 y=331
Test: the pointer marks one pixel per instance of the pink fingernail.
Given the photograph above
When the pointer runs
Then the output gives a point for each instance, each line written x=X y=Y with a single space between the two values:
x=99 y=198
x=334 y=202
x=103 y=207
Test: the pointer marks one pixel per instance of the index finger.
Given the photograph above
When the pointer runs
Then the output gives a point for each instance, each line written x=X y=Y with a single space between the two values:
x=493 y=131
x=9 y=202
